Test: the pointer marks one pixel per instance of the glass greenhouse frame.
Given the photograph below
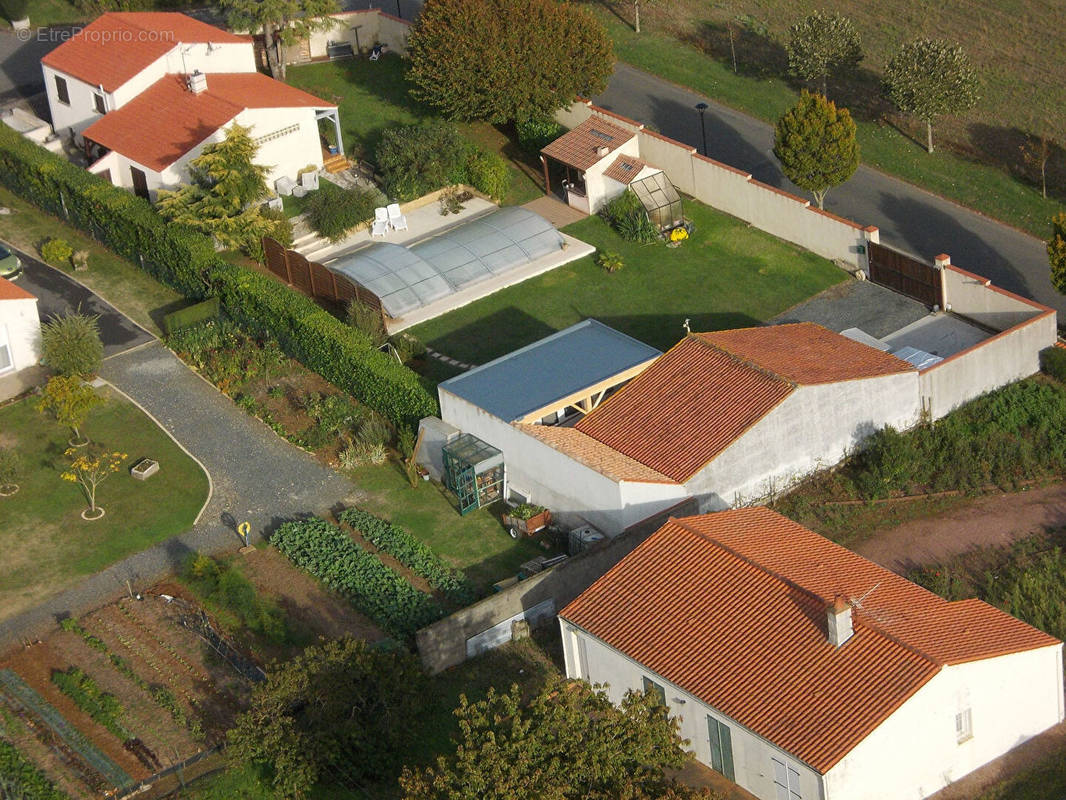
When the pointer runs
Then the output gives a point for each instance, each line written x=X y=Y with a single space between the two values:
x=660 y=199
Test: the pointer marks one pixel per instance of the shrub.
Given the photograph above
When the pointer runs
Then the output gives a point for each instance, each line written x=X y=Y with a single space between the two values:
x=412 y=553
x=1053 y=362
x=367 y=321
x=609 y=261
x=537 y=132
x=11 y=466
x=334 y=212
x=418 y=159
x=71 y=344
x=219 y=584
x=627 y=215
x=333 y=557
x=488 y=173
x=282 y=228
x=333 y=415
x=57 y=251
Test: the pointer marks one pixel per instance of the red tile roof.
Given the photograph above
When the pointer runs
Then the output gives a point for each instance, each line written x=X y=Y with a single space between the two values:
x=166 y=121
x=731 y=607
x=578 y=147
x=703 y=394
x=685 y=409
x=118 y=45
x=807 y=353
x=9 y=291
x=625 y=169
x=586 y=450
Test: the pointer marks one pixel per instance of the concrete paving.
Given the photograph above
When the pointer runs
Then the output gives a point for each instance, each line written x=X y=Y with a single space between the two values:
x=857 y=304
x=909 y=218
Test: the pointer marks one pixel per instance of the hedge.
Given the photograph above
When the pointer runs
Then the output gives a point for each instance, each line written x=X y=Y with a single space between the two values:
x=22 y=776
x=191 y=316
x=187 y=261
x=331 y=555
x=412 y=553
x=1053 y=362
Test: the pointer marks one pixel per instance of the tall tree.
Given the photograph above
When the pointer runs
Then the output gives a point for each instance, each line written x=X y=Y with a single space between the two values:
x=1056 y=251
x=568 y=743
x=282 y=23
x=506 y=60
x=820 y=44
x=929 y=78
x=222 y=197
x=815 y=143
x=341 y=711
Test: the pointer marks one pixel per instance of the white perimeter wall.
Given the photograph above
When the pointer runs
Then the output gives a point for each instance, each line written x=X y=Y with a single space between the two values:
x=555 y=480
x=375 y=27
x=916 y=753
x=813 y=428
x=735 y=192
x=23 y=327
x=753 y=769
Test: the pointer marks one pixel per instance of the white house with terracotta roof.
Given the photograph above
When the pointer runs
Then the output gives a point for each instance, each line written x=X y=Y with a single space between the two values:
x=145 y=91
x=802 y=671
x=20 y=332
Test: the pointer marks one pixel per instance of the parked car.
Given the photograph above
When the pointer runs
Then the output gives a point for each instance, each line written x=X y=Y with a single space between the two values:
x=10 y=265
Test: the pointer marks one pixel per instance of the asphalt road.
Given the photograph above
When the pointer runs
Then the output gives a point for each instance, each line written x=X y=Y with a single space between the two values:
x=909 y=218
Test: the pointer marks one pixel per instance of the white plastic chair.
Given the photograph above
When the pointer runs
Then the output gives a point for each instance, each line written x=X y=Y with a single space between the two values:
x=397 y=220
x=381 y=222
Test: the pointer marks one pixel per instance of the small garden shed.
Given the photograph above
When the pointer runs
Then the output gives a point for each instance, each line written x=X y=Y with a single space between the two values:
x=473 y=470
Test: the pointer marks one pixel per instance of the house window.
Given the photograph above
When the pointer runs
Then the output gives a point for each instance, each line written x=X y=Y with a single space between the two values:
x=721 y=747
x=62 y=95
x=7 y=363
x=98 y=103
x=786 y=780
x=656 y=690
x=963 y=726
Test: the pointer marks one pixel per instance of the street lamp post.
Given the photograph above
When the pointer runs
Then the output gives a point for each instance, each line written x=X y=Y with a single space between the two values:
x=702 y=108
x=399 y=13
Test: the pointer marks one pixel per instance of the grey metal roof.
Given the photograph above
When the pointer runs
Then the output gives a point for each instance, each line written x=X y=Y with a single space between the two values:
x=548 y=370
x=406 y=278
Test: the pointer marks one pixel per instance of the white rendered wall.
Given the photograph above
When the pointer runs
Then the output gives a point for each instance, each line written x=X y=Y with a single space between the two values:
x=600 y=189
x=752 y=767
x=374 y=27
x=552 y=479
x=23 y=327
x=286 y=155
x=813 y=428
x=80 y=113
x=231 y=57
x=916 y=752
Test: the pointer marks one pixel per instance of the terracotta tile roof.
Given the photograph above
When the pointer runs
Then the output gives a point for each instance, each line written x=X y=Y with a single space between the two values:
x=685 y=408
x=731 y=607
x=588 y=451
x=625 y=169
x=10 y=291
x=577 y=147
x=118 y=45
x=166 y=121
x=807 y=353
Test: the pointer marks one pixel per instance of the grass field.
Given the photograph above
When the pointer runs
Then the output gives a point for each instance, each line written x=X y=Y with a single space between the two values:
x=978 y=161
x=374 y=96
x=728 y=275
x=45 y=542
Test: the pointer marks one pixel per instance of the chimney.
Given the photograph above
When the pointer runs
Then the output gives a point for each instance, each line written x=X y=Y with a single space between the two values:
x=196 y=82
x=838 y=617
x=602 y=150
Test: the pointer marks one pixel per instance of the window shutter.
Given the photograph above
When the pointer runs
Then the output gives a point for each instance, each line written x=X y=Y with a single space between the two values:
x=727 y=750
x=716 y=745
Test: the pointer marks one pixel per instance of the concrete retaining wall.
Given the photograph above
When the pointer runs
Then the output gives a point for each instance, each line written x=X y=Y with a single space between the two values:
x=444 y=644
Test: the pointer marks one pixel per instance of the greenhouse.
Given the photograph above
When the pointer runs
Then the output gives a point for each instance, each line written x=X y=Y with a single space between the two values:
x=661 y=200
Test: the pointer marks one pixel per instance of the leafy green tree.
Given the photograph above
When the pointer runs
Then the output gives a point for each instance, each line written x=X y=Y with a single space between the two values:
x=1056 y=251
x=929 y=78
x=815 y=143
x=339 y=711
x=69 y=400
x=222 y=198
x=283 y=23
x=820 y=44
x=71 y=344
x=568 y=743
x=505 y=60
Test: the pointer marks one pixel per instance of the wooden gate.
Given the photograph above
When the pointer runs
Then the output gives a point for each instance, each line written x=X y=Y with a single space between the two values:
x=904 y=274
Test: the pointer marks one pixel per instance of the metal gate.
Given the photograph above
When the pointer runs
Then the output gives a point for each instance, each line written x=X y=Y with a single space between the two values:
x=906 y=275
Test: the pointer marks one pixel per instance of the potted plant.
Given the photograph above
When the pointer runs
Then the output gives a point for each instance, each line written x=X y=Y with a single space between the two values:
x=525 y=519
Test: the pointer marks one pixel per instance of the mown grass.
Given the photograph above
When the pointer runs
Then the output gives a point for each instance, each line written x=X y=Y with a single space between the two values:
x=46 y=544
x=977 y=161
x=728 y=275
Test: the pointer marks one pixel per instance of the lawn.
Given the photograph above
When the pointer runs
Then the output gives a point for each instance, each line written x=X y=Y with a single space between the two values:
x=120 y=282
x=978 y=159
x=375 y=95
x=43 y=13
x=728 y=275
x=46 y=544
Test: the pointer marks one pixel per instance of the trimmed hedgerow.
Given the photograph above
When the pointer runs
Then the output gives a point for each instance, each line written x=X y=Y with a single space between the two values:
x=412 y=553
x=187 y=261
x=330 y=554
x=22 y=778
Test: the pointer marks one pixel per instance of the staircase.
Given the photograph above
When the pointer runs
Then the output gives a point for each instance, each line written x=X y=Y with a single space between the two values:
x=310 y=245
x=337 y=163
